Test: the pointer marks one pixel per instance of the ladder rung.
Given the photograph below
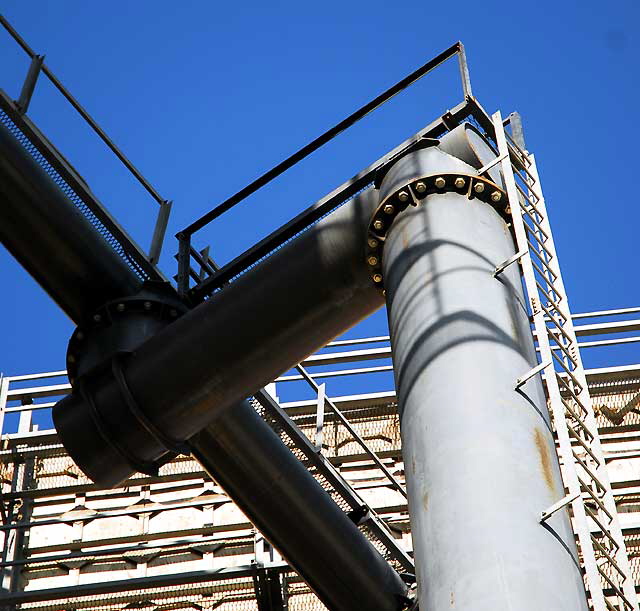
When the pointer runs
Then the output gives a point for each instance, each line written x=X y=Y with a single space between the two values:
x=582 y=442
x=537 y=225
x=606 y=554
x=566 y=388
x=544 y=272
x=563 y=348
x=617 y=590
x=534 y=246
x=594 y=478
x=592 y=515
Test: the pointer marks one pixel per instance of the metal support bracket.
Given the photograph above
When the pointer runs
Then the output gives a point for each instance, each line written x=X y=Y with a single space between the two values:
x=561 y=504
x=491 y=164
x=527 y=376
x=500 y=268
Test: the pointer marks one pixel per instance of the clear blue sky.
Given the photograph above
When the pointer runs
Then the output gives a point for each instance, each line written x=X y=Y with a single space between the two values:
x=204 y=96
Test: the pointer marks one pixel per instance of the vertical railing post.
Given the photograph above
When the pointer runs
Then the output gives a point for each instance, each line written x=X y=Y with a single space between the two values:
x=184 y=248
x=4 y=390
x=158 y=232
x=29 y=83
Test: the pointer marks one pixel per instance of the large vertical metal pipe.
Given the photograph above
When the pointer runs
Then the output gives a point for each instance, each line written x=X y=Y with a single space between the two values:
x=479 y=456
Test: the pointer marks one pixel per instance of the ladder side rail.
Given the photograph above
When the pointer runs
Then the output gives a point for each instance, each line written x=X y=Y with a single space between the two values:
x=569 y=473
x=621 y=556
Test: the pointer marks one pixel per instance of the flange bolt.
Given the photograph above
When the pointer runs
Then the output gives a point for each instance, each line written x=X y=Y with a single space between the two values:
x=372 y=242
x=479 y=187
x=421 y=187
x=378 y=225
x=459 y=182
x=496 y=196
x=372 y=261
x=97 y=317
x=147 y=305
x=120 y=307
x=389 y=209
x=377 y=277
x=440 y=182
x=403 y=196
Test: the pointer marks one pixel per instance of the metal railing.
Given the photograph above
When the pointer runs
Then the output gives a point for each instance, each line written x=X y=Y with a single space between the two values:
x=16 y=111
x=215 y=279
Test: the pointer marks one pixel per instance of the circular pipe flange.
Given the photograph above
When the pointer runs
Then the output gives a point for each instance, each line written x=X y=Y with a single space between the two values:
x=472 y=186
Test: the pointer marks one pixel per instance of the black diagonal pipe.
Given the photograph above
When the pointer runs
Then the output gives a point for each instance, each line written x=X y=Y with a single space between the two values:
x=42 y=228
x=235 y=343
x=195 y=374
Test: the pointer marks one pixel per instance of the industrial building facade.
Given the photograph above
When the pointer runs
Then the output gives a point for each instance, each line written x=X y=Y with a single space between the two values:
x=494 y=471
x=177 y=541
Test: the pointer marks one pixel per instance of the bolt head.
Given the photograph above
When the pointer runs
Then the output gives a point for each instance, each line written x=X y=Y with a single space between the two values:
x=389 y=209
x=372 y=242
x=459 y=182
x=120 y=307
x=97 y=317
x=79 y=335
x=403 y=196
x=421 y=187
x=147 y=305
x=496 y=196
x=372 y=260
x=71 y=358
x=377 y=277
x=479 y=187
x=378 y=225
x=507 y=209
x=440 y=182
x=173 y=313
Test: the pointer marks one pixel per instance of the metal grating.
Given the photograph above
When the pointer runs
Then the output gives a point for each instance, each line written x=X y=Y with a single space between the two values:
x=77 y=201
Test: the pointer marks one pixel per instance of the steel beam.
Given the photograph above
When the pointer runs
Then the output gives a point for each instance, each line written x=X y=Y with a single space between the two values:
x=479 y=456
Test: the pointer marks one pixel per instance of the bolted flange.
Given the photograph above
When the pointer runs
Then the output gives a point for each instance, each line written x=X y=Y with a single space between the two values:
x=413 y=193
x=121 y=326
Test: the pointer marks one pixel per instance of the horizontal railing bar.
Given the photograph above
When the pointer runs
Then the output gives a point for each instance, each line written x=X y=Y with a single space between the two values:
x=313 y=213
x=321 y=140
x=84 y=114
x=37 y=376
x=28 y=408
x=336 y=373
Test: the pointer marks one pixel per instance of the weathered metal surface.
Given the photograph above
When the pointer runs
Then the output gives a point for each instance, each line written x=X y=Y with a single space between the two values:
x=479 y=456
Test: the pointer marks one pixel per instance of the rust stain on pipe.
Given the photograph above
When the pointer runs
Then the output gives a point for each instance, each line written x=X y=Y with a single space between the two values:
x=545 y=459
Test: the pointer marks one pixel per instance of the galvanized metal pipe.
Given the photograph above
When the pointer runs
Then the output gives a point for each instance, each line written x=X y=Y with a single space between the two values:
x=52 y=240
x=479 y=456
x=292 y=510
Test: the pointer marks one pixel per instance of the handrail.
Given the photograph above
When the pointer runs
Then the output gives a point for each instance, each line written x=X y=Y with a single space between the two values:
x=353 y=432
x=352 y=119
x=83 y=113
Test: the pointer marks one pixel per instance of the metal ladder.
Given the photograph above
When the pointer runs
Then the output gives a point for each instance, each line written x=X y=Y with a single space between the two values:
x=607 y=573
